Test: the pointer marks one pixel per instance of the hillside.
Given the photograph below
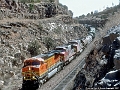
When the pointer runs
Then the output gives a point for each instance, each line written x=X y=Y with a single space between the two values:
x=27 y=31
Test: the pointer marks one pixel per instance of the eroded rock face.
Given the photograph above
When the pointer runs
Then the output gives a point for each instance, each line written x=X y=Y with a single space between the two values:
x=40 y=10
x=96 y=71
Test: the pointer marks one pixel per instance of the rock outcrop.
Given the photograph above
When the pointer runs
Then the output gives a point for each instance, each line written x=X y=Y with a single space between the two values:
x=40 y=10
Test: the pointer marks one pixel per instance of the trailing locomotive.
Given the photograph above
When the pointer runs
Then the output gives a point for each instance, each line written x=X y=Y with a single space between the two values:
x=38 y=69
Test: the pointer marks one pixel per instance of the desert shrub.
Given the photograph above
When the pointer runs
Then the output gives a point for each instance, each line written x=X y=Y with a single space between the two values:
x=71 y=13
x=14 y=62
x=40 y=26
x=33 y=48
x=104 y=16
x=49 y=43
x=51 y=0
x=31 y=7
x=57 y=30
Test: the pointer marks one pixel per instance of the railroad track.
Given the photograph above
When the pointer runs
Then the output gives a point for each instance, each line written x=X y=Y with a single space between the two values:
x=66 y=80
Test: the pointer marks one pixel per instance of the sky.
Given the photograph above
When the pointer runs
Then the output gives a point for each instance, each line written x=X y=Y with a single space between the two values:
x=80 y=7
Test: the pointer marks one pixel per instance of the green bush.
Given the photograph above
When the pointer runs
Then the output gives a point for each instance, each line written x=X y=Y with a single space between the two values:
x=33 y=48
x=51 y=0
x=31 y=7
x=104 y=16
x=57 y=30
x=49 y=43
x=40 y=27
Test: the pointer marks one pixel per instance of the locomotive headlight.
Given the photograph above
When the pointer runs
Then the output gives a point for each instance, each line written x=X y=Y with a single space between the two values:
x=24 y=78
x=33 y=77
x=29 y=68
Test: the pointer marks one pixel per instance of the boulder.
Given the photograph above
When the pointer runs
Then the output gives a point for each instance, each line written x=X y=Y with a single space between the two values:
x=117 y=59
x=1 y=83
x=1 y=61
x=17 y=54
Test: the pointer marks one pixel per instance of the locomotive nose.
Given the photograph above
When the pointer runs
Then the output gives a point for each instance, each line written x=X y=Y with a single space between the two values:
x=29 y=69
x=28 y=73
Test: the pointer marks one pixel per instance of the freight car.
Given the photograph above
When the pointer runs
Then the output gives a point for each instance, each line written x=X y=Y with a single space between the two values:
x=38 y=69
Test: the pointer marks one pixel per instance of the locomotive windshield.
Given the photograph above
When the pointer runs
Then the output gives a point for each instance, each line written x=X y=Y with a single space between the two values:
x=29 y=63
x=35 y=63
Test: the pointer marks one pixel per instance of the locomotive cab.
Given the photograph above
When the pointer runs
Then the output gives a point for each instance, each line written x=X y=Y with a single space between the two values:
x=37 y=70
x=33 y=68
x=67 y=53
x=31 y=63
x=77 y=45
x=63 y=53
x=33 y=71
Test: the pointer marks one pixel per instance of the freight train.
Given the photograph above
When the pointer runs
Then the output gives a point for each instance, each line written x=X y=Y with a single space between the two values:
x=38 y=69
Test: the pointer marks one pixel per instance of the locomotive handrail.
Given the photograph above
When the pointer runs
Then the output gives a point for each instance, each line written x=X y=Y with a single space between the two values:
x=36 y=75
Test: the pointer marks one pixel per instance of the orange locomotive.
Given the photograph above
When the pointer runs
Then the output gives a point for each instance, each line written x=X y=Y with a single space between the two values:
x=38 y=69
